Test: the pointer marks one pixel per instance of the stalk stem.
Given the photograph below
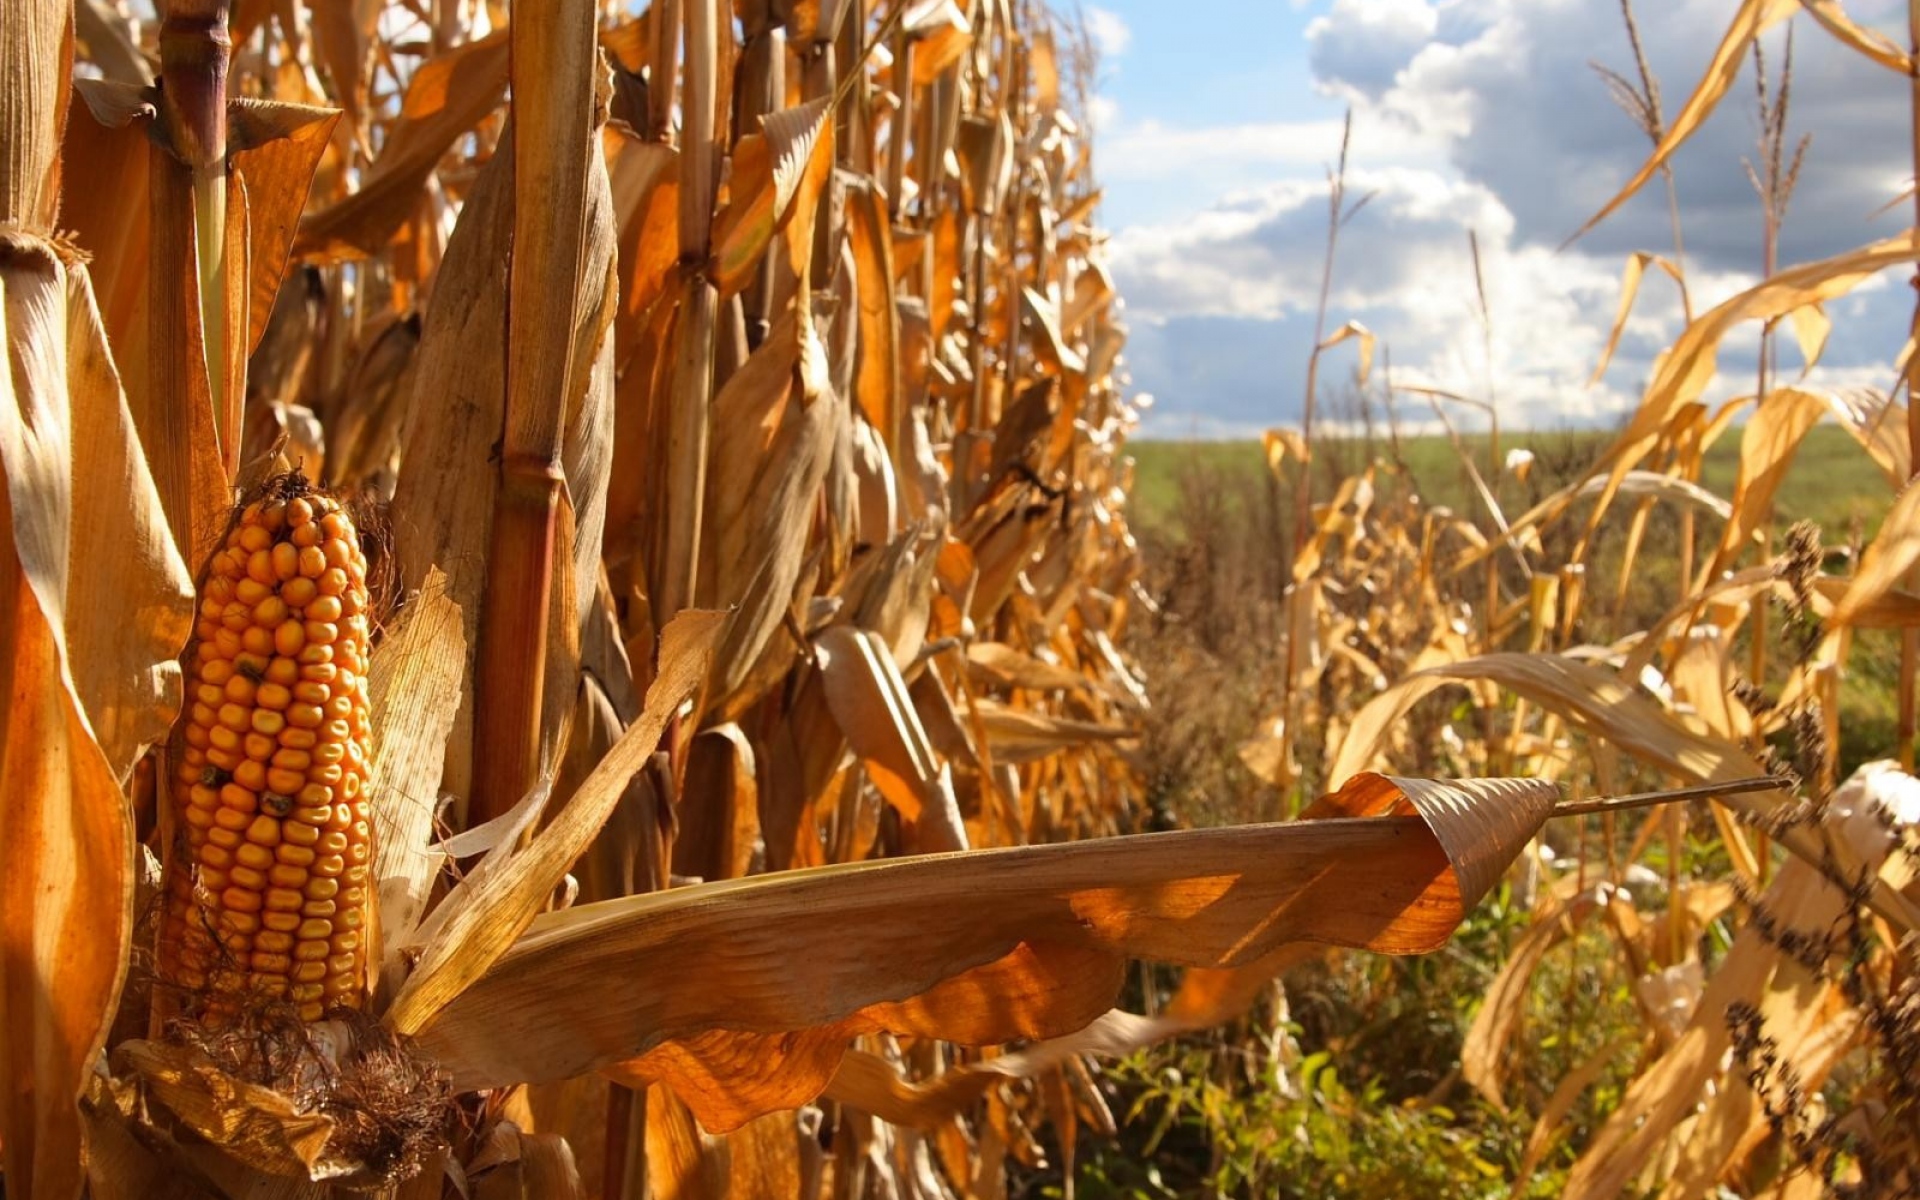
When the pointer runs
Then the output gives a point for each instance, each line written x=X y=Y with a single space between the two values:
x=1700 y=791
x=194 y=50
x=1909 y=638
x=553 y=145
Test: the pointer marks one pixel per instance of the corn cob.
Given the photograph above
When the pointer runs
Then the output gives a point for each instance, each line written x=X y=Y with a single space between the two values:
x=270 y=787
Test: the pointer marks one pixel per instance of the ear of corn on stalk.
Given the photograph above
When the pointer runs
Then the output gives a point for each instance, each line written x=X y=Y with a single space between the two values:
x=271 y=893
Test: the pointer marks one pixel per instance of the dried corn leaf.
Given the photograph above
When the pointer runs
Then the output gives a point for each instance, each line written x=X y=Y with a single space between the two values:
x=1767 y=445
x=1885 y=562
x=1589 y=698
x=777 y=173
x=849 y=947
x=1637 y=265
x=1870 y=42
x=1353 y=329
x=1483 y=1052
x=1282 y=444
x=1811 y=326
x=877 y=379
x=66 y=901
x=275 y=149
x=106 y=144
x=1020 y=735
x=1685 y=370
x=1000 y=665
x=1652 y=485
x=480 y=919
x=1753 y=18
x=1662 y=1095
x=1551 y=1124
x=445 y=98
x=1879 y=423
x=1207 y=997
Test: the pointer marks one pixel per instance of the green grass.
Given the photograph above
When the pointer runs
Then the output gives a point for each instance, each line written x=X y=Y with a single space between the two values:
x=1832 y=482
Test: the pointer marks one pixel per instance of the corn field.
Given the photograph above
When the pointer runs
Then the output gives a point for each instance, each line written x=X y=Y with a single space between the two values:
x=567 y=625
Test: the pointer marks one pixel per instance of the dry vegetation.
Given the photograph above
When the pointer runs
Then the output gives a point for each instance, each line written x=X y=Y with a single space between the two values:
x=732 y=426
x=1716 y=1000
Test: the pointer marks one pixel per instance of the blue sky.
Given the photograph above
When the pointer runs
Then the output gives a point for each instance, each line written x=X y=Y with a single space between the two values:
x=1217 y=120
x=1180 y=67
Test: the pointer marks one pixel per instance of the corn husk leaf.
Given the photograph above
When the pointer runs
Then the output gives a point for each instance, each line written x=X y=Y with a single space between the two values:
x=869 y=701
x=73 y=723
x=258 y=1125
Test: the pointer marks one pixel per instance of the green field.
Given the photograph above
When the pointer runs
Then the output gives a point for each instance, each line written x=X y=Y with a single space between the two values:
x=1832 y=482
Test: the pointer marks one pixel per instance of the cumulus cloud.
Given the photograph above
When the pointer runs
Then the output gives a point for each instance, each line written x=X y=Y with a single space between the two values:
x=1256 y=252
x=1109 y=31
x=1246 y=152
x=1223 y=305
x=1513 y=96
x=1365 y=44
x=1484 y=116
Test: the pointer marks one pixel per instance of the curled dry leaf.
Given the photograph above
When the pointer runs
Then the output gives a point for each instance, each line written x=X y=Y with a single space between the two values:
x=258 y=1125
x=777 y=173
x=1207 y=996
x=816 y=957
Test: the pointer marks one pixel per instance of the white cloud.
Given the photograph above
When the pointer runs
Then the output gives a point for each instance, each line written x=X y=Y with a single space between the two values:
x=1256 y=253
x=1104 y=112
x=1371 y=41
x=1227 y=299
x=1254 y=152
x=1484 y=115
x=1109 y=32
x=1509 y=87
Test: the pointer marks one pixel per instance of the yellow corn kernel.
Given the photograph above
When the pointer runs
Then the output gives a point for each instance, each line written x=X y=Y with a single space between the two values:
x=273 y=743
